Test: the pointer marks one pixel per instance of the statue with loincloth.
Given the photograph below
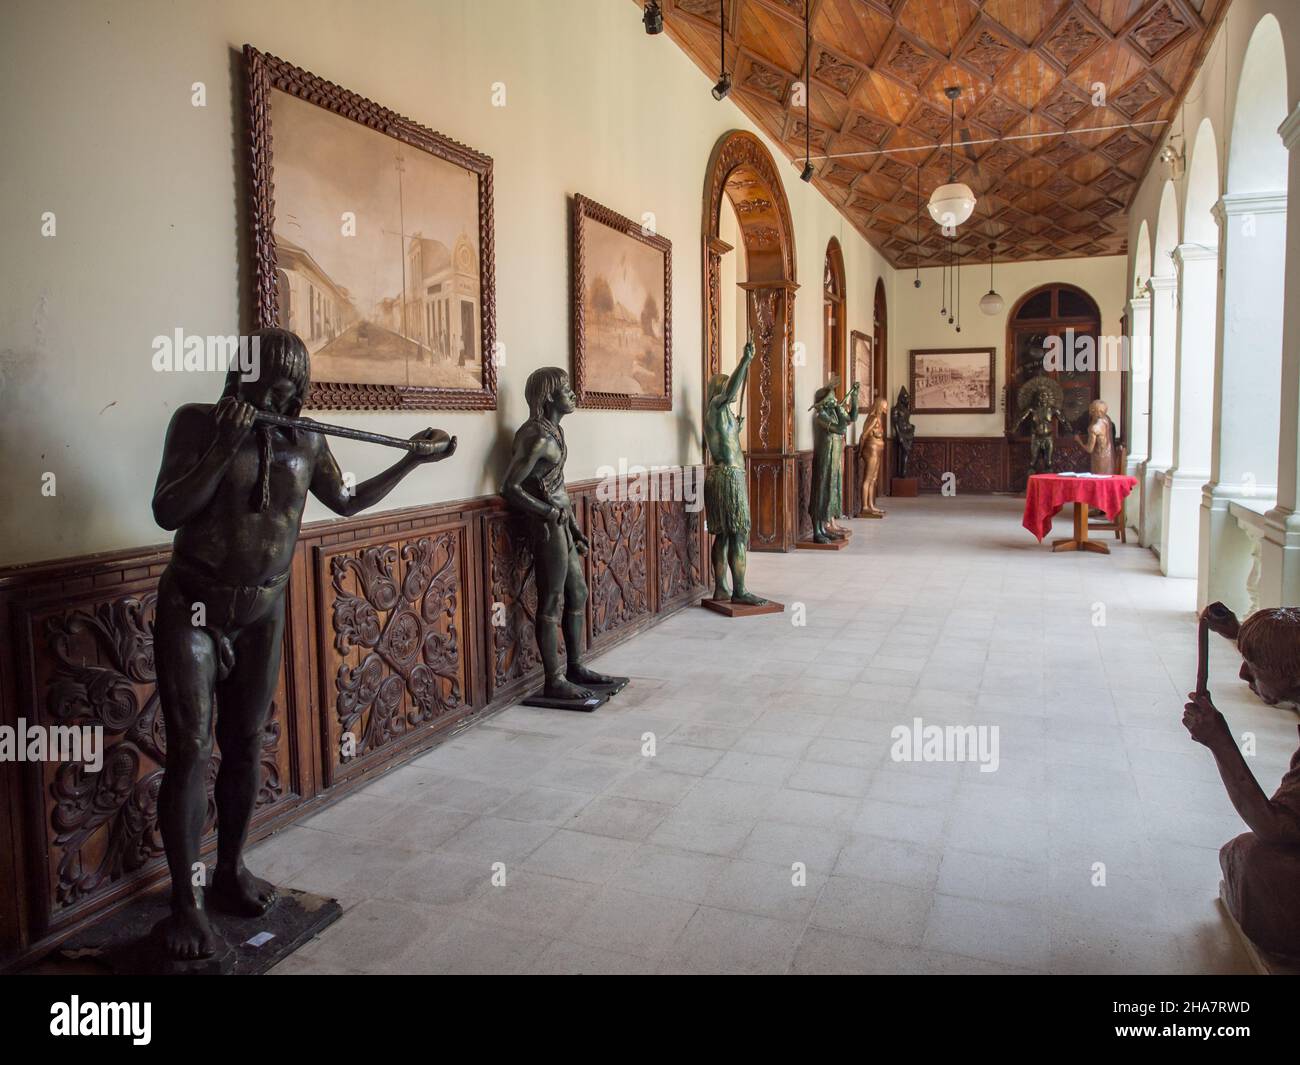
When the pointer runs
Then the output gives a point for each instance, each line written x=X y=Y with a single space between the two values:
x=831 y=421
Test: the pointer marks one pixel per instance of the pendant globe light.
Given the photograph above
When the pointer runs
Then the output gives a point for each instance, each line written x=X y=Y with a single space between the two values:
x=952 y=204
x=991 y=303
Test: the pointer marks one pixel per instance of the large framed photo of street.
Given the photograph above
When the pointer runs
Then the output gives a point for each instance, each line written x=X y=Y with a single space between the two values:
x=951 y=380
x=372 y=239
x=622 y=311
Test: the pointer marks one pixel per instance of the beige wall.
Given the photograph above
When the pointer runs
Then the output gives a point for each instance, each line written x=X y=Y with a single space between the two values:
x=915 y=323
x=100 y=130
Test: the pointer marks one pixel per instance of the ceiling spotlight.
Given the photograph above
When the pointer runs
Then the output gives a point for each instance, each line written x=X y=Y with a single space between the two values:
x=916 y=283
x=723 y=88
x=653 y=17
x=808 y=172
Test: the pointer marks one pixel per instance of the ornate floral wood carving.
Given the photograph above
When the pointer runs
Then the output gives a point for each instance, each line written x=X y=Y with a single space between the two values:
x=512 y=602
x=619 y=587
x=679 y=563
x=804 y=473
x=265 y=72
x=398 y=636
x=1161 y=28
x=1075 y=36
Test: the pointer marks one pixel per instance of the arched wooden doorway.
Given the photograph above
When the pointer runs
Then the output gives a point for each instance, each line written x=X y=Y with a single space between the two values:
x=880 y=373
x=1069 y=314
x=743 y=170
x=834 y=313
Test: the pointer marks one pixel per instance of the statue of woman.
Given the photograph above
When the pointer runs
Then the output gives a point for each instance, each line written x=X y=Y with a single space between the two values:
x=871 y=449
x=1101 y=439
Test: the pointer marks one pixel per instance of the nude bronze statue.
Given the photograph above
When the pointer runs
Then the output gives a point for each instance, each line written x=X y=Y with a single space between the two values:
x=233 y=489
x=831 y=421
x=904 y=430
x=1041 y=400
x=726 y=496
x=1100 y=443
x=1261 y=868
x=534 y=488
x=871 y=449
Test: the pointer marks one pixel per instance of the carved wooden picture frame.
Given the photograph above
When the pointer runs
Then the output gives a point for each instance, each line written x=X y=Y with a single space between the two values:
x=973 y=379
x=426 y=328
x=595 y=362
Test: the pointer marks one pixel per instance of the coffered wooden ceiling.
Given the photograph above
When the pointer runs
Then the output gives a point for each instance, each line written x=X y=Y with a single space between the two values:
x=1050 y=183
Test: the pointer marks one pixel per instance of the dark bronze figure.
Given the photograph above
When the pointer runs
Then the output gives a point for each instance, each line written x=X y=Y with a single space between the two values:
x=831 y=421
x=1040 y=402
x=1261 y=868
x=534 y=487
x=234 y=493
x=904 y=430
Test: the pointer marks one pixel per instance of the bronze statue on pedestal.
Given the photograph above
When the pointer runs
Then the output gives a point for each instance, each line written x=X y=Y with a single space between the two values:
x=904 y=430
x=871 y=449
x=1261 y=868
x=831 y=421
x=534 y=487
x=1100 y=444
x=726 y=496
x=232 y=484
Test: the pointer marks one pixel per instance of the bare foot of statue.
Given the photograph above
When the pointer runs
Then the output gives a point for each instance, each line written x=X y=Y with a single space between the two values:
x=241 y=894
x=873 y=512
x=721 y=591
x=837 y=533
x=580 y=674
x=821 y=538
x=560 y=688
x=749 y=599
x=187 y=934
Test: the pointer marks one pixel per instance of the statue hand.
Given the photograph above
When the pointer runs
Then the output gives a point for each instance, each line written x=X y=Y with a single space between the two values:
x=749 y=349
x=437 y=446
x=1205 y=724
x=234 y=420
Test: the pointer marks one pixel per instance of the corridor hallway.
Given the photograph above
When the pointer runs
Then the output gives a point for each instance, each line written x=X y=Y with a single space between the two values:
x=771 y=747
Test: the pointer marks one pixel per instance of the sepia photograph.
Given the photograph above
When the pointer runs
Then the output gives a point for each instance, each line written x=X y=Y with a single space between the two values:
x=952 y=380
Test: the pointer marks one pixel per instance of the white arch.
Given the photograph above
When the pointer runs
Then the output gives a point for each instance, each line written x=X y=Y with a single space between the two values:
x=1199 y=226
x=1164 y=330
x=1141 y=258
x=1168 y=233
x=1256 y=158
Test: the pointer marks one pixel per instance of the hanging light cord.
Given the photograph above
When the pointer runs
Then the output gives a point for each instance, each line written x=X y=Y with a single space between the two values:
x=807 y=82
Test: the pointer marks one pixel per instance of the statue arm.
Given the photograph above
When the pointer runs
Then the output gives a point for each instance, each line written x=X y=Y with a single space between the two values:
x=328 y=486
x=1271 y=821
x=737 y=381
x=196 y=455
x=529 y=448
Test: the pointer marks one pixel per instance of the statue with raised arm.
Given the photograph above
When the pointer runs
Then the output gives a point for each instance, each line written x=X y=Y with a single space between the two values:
x=871 y=449
x=534 y=488
x=726 y=495
x=904 y=430
x=831 y=421
x=1261 y=868
x=1100 y=443
x=232 y=486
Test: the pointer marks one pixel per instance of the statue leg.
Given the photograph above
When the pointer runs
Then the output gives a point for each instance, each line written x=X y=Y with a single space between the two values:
x=551 y=569
x=738 y=557
x=718 y=555
x=575 y=619
x=243 y=704
x=186 y=660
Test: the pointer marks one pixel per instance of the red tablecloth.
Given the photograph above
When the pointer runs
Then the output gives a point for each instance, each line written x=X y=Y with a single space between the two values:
x=1049 y=492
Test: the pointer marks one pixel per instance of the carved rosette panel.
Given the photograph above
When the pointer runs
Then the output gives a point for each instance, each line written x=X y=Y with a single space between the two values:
x=679 y=563
x=620 y=589
x=93 y=667
x=398 y=658
x=977 y=464
x=928 y=463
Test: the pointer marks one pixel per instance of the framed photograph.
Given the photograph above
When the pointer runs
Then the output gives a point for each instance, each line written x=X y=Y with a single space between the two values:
x=951 y=380
x=622 y=312
x=372 y=239
x=860 y=345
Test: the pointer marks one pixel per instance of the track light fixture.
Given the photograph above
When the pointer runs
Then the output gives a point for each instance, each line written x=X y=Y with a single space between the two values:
x=653 y=17
x=808 y=172
x=723 y=88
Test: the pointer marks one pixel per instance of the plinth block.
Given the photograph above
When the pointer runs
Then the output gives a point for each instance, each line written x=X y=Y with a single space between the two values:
x=903 y=487
x=727 y=608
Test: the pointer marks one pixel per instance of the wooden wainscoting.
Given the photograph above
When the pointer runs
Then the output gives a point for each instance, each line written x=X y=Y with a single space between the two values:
x=983 y=464
x=389 y=638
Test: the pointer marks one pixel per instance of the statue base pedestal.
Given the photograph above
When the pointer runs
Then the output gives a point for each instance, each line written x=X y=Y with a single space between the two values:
x=125 y=943
x=813 y=545
x=728 y=609
x=1265 y=964
x=903 y=487
x=597 y=699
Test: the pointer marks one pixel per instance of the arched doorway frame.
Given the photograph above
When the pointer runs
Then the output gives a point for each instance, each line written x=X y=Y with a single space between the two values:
x=880 y=371
x=742 y=169
x=834 y=315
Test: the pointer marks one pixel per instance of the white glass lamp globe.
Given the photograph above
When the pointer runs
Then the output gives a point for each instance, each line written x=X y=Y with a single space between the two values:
x=951 y=205
x=991 y=303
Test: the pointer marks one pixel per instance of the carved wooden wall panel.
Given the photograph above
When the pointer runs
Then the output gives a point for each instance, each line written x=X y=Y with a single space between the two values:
x=929 y=462
x=805 y=474
x=395 y=612
x=388 y=635
x=977 y=463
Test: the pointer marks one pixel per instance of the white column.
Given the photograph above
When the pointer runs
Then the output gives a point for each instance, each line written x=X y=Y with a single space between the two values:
x=1279 y=583
x=1160 y=420
x=1247 y=365
x=1138 y=314
x=1180 y=523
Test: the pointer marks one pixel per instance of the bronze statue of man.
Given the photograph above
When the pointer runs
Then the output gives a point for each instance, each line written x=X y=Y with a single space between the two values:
x=726 y=496
x=534 y=487
x=234 y=494
x=1042 y=438
x=904 y=430
x=831 y=421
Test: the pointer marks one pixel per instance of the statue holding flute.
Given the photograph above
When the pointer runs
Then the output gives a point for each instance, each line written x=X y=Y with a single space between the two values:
x=232 y=485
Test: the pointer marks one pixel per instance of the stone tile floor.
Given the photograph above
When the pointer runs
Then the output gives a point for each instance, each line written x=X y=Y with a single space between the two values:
x=772 y=747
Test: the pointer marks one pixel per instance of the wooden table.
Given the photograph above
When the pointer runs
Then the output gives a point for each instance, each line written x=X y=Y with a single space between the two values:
x=1046 y=493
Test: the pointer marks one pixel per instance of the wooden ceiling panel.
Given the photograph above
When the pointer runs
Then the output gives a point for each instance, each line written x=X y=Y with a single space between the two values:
x=1063 y=102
